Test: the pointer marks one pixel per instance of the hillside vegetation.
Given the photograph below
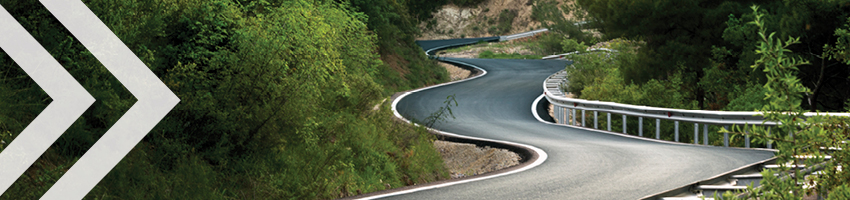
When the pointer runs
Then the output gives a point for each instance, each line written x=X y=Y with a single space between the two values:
x=781 y=58
x=710 y=46
x=276 y=99
x=483 y=18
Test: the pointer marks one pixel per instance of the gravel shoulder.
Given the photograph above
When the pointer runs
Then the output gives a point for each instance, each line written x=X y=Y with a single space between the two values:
x=464 y=160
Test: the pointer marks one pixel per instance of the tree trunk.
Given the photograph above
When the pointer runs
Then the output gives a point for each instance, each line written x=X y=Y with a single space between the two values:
x=813 y=100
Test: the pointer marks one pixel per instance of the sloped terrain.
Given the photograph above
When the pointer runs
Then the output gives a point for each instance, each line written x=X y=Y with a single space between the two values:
x=483 y=20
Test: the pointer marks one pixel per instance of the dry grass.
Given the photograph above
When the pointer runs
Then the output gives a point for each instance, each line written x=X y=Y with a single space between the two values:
x=472 y=51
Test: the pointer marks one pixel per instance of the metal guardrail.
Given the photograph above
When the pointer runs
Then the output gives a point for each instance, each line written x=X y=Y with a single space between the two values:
x=532 y=33
x=429 y=52
x=729 y=181
x=564 y=55
x=565 y=110
x=522 y=35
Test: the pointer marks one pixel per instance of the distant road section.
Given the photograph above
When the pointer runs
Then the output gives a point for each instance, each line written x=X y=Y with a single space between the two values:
x=582 y=164
x=429 y=45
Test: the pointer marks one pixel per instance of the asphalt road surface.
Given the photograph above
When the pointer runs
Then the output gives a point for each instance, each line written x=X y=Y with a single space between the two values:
x=581 y=164
x=430 y=44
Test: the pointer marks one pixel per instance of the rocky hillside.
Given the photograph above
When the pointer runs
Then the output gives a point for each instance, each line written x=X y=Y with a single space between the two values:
x=490 y=18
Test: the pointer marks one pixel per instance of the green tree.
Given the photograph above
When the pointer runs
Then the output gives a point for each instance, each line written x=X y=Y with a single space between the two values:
x=551 y=16
x=796 y=135
x=276 y=100
x=677 y=33
x=812 y=21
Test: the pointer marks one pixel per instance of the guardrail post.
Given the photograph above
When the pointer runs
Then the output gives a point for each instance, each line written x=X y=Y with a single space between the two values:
x=640 y=126
x=609 y=121
x=557 y=113
x=696 y=133
x=676 y=128
x=726 y=137
x=565 y=113
x=705 y=134
x=564 y=116
x=747 y=139
x=575 y=119
x=658 y=129
x=624 y=124
x=582 y=119
x=595 y=120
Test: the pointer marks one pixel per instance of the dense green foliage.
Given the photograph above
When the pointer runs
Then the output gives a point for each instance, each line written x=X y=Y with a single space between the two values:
x=711 y=46
x=596 y=76
x=396 y=31
x=551 y=16
x=561 y=29
x=806 y=136
x=697 y=54
x=691 y=61
x=503 y=23
x=276 y=99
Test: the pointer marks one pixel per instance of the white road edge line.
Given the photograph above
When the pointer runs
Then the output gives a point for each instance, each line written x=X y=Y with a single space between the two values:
x=542 y=154
x=534 y=111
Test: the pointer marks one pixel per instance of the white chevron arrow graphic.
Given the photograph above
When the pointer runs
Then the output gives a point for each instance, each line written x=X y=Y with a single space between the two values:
x=70 y=100
x=155 y=100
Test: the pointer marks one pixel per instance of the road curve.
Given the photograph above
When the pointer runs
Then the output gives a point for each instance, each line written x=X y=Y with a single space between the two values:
x=581 y=164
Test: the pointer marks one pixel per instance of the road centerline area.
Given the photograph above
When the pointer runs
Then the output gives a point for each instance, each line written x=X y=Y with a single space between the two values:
x=581 y=164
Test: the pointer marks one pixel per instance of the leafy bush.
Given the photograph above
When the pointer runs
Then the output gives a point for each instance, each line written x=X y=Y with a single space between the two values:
x=841 y=192
x=467 y=3
x=750 y=98
x=551 y=16
x=504 y=22
x=549 y=44
x=571 y=45
x=589 y=69
x=806 y=136
x=598 y=76
x=276 y=100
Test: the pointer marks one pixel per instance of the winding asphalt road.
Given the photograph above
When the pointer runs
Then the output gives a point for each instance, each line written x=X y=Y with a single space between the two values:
x=581 y=164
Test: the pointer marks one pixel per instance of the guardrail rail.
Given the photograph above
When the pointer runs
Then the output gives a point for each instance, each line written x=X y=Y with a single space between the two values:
x=566 y=108
x=522 y=35
x=566 y=111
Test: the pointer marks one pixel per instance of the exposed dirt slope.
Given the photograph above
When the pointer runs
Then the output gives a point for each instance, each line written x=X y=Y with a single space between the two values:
x=452 y=21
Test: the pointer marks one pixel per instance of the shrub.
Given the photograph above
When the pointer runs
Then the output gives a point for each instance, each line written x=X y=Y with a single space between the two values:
x=276 y=100
x=505 y=21
x=548 y=44
x=571 y=45
x=467 y=3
